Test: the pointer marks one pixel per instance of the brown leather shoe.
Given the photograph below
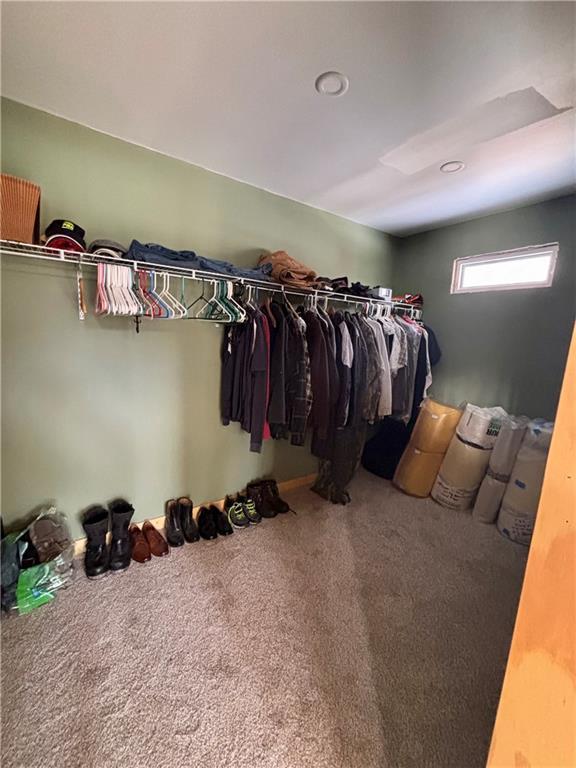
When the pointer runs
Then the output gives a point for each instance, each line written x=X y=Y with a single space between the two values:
x=139 y=545
x=155 y=540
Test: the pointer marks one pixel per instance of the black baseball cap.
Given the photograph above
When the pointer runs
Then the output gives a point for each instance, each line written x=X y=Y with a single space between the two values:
x=64 y=228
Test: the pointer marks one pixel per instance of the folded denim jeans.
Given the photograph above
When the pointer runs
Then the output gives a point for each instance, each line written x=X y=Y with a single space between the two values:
x=158 y=254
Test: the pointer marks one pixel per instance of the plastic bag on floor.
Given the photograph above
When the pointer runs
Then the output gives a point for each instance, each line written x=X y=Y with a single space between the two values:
x=47 y=539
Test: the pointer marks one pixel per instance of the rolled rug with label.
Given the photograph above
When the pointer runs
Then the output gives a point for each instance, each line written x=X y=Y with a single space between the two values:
x=460 y=474
x=464 y=465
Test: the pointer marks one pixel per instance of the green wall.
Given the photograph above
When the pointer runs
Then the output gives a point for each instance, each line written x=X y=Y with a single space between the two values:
x=504 y=348
x=92 y=410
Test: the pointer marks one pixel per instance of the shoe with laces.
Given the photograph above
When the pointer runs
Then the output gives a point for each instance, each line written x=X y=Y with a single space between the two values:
x=255 y=492
x=236 y=513
x=254 y=517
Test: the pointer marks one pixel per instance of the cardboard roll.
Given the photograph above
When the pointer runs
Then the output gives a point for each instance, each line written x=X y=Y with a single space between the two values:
x=435 y=427
x=417 y=471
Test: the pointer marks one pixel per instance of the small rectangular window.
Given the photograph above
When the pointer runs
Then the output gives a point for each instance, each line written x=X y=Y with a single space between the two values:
x=531 y=267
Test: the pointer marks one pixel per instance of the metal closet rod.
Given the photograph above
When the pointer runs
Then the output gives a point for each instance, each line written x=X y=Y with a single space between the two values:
x=41 y=252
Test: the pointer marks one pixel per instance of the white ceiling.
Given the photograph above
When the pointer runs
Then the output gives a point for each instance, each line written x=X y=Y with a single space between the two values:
x=230 y=87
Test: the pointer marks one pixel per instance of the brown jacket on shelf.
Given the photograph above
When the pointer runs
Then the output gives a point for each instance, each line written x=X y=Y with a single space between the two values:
x=290 y=272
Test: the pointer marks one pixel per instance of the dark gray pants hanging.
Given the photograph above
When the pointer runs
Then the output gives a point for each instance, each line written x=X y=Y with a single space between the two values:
x=335 y=474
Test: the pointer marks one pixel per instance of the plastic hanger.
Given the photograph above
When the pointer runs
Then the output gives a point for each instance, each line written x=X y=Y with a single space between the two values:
x=214 y=308
x=163 y=307
x=241 y=312
x=201 y=298
x=101 y=298
x=175 y=309
x=147 y=305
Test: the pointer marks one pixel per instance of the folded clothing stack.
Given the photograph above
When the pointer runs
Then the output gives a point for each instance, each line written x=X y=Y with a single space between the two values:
x=158 y=254
x=288 y=271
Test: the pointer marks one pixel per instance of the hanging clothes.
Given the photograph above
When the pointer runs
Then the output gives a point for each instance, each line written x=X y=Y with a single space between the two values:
x=245 y=382
x=277 y=416
x=344 y=362
x=286 y=373
x=383 y=451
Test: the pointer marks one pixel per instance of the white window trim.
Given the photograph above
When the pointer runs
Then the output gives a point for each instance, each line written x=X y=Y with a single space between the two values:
x=514 y=253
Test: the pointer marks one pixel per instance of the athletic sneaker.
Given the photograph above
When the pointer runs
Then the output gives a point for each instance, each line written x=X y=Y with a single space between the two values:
x=255 y=492
x=236 y=513
x=254 y=517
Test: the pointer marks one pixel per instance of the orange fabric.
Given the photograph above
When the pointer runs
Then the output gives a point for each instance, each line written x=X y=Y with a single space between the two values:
x=288 y=271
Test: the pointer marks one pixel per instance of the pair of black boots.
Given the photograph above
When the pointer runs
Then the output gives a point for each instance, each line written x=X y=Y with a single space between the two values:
x=180 y=526
x=266 y=497
x=99 y=558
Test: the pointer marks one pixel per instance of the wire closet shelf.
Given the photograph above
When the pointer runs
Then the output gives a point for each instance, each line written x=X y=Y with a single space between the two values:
x=57 y=256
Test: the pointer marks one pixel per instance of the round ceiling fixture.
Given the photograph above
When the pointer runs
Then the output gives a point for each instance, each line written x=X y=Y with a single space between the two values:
x=452 y=166
x=332 y=84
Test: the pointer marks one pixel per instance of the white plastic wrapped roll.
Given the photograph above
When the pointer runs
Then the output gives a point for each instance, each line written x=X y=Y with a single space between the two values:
x=464 y=465
x=507 y=445
x=489 y=499
x=481 y=426
x=523 y=490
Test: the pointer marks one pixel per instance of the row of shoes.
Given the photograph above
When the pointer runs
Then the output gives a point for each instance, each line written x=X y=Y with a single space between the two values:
x=126 y=541
x=261 y=500
x=181 y=527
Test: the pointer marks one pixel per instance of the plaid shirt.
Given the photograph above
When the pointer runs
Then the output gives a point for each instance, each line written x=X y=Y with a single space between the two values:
x=300 y=385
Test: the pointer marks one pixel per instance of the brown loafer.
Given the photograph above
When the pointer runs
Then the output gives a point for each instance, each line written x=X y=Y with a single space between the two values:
x=156 y=542
x=139 y=545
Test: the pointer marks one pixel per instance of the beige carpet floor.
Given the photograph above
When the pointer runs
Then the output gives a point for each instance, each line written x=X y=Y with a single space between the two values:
x=360 y=637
